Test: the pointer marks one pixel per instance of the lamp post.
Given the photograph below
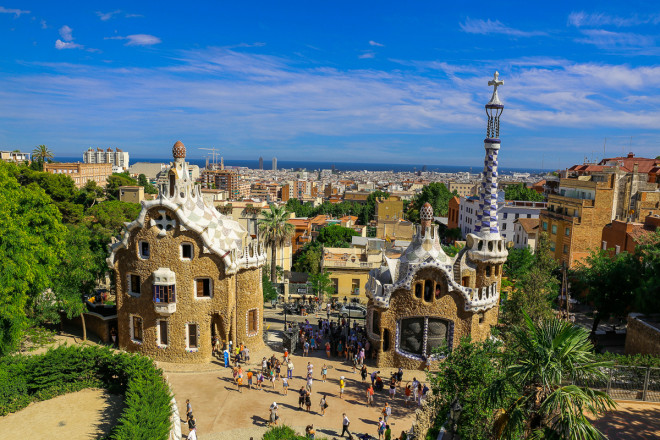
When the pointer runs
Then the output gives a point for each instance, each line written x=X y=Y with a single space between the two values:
x=454 y=414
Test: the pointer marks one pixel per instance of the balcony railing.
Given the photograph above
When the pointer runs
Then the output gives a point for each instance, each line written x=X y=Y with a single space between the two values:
x=558 y=216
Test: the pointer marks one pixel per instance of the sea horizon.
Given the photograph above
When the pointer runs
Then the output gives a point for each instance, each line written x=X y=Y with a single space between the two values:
x=326 y=165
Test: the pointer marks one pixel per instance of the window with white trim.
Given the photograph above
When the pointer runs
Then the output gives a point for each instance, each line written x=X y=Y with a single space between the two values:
x=134 y=284
x=162 y=331
x=136 y=328
x=144 y=249
x=186 y=251
x=252 y=318
x=203 y=288
x=192 y=337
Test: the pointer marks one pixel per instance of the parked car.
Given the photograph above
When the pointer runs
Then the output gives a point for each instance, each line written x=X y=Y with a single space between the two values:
x=353 y=311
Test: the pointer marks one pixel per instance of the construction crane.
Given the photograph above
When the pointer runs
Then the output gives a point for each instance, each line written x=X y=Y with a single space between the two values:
x=214 y=154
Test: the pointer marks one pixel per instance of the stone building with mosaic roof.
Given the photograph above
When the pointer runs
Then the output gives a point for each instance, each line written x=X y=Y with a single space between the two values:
x=183 y=275
x=425 y=299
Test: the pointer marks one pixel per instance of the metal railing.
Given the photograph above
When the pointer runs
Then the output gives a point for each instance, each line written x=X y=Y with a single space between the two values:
x=629 y=383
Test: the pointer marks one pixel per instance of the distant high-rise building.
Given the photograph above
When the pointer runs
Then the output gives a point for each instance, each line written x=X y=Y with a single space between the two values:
x=261 y=163
x=424 y=168
x=274 y=163
x=118 y=158
x=333 y=168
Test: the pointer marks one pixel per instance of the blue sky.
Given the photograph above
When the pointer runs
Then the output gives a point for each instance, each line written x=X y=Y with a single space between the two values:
x=387 y=82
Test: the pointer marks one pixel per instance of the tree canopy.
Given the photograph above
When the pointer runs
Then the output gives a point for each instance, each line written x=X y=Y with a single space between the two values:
x=520 y=191
x=437 y=194
x=336 y=236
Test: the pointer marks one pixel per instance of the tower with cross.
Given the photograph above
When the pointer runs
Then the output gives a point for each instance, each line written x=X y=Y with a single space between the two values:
x=486 y=248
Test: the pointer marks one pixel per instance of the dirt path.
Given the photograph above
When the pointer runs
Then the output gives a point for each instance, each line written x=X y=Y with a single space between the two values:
x=631 y=421
x=82 y=415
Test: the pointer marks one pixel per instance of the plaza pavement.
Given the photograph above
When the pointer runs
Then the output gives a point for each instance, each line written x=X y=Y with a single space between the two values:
x=224 y=413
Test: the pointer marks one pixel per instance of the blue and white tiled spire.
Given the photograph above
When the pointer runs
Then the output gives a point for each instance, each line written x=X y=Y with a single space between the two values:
x=487 y=216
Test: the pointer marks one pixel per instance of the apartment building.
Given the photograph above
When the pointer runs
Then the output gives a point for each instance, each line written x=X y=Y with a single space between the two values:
x=81 y=173
x=226 y=180
x=119 y=158
x=454 y=206
x=623 y=236
x=349 y=268
x=574 y=218
x=507 y=213
x=525 y=233
x=14 y=156
x=131 y=194
x=463 y=189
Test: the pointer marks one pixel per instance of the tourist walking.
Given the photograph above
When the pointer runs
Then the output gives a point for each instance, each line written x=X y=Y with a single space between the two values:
x=380 y=428
x=323 y=405
x=309 y=432
x=374 y=375
x=370 y=395
x=308 y=401
x=344 y=426
x=273 y=414
x=408 y=393
x=387 y=412
x=342 y=384
x=392 y=387
x=310 y=382
x=324 y=372
x=289 y=369
x=249 y=378
x=285 y=385
x=301 y=397
x=363 y=372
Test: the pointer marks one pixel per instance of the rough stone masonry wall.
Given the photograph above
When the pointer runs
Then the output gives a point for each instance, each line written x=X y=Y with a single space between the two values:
x=250 y=296
x=217 y=310
x=94 y=323
x=426 y=415
x=641 y=336
x=449 y=306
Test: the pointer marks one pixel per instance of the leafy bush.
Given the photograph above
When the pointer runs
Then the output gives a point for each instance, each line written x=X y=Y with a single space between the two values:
x=26 y=379
x=634 y=360
x=284 y=433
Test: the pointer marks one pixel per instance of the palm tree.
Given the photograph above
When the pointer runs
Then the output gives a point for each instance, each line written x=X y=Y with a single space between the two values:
x=540 y=388
x=275 y=231
x=41 y=153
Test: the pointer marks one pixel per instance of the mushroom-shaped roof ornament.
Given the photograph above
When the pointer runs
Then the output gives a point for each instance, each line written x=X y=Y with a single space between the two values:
x=179 y=150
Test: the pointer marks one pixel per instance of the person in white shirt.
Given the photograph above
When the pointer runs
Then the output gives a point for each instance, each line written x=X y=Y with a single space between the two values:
x=345 y=424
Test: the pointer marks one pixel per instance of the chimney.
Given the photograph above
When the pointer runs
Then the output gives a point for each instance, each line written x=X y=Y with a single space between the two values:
x=635 y=168
x=631 y=155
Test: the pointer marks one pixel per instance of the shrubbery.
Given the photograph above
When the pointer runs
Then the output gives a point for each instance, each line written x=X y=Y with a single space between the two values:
x=26 y=379
x=284 y=433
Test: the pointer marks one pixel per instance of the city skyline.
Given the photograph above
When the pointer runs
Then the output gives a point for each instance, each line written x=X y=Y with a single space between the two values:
x=374 y=83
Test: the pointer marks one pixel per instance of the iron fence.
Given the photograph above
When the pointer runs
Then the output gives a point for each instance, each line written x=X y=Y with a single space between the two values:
x=628 y=383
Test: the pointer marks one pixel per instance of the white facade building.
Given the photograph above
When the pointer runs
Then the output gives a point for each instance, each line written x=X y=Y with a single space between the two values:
x=507 y=213
x=118 y=158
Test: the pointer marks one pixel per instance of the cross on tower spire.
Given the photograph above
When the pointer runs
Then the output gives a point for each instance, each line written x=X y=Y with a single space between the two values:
x=495 y=82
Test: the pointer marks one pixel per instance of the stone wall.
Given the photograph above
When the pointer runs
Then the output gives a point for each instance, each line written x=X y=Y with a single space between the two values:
x=425 y=416
x=224 y=310
x=643 y=334
x=96 y=324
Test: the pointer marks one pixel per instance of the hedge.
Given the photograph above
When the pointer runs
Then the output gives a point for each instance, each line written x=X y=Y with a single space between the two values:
x=635 y=360
x=147 y=411
x=284 y=433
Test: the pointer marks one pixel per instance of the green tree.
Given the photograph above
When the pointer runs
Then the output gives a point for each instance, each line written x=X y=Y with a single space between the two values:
x=31 y=247
x=646 y=266
x=336 y=236
x=535 y=393
x=115 y=180
x=148 y=187
x=308 y=258
x=466 y=373
x=518 y=263
x=275 y=230
x=609 y=281
x=536 y=286
x=520 y=191
x=437 y=195
x=40 y=154
x=322 y=285
x=269 y=291
x=79 y=270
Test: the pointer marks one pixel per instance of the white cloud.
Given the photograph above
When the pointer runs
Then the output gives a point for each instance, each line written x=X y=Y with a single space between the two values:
x=16 y=12
x=615 y=40
x=43 y=24
x=66 y=33
x=105 y=16
x=489 y=26
x=59 y=44
x=138 y=40
x=367 y=55
x=374 y=43
x=597 y=19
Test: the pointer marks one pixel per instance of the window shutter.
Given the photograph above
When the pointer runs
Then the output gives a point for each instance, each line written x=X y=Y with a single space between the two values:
x=200 y=288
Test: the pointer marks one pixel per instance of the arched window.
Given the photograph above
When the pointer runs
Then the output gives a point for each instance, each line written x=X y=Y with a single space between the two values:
x=386 y=339
x=172 y=180
x=488 y=270
x=418 y=290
